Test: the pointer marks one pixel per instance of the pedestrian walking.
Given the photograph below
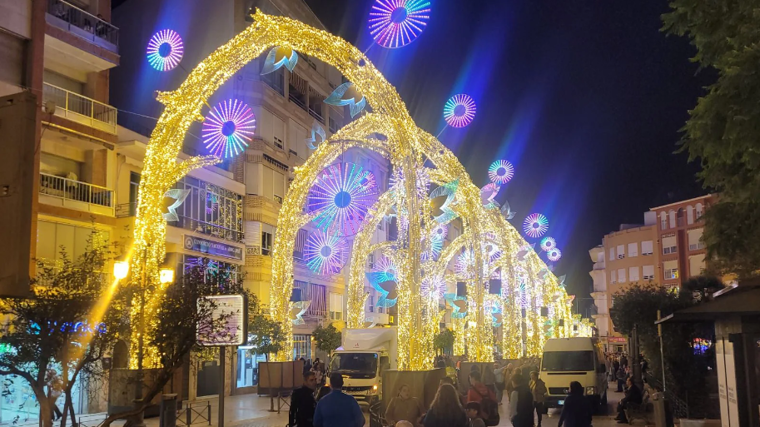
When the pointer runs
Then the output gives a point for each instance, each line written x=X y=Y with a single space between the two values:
x=577 y=410
x=538 y=388
x=337 y=408
x=302 y=403
x=621 y=376
x=521 y=404
x=446 y=411
x=498 y=373
x=404 y=407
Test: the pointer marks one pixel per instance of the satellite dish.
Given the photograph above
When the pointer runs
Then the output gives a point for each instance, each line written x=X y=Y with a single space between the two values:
x=49 y=107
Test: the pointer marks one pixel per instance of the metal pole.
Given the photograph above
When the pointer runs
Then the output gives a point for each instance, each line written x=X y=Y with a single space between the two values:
x=662 y=353
x=140 y=417
x=222 y=366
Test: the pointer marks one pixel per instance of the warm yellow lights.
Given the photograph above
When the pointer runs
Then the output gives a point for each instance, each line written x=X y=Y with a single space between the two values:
x=120 y=270
x=407 y=148
x=166 y=275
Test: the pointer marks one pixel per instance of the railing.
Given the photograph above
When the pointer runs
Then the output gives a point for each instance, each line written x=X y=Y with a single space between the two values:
x=214 y=230
x=275 y=80
x=124 y=210
x=195 y=413
x=316 y=115
x=84 y=24
x=81 y=109
x=69 y=189
x=294 y=99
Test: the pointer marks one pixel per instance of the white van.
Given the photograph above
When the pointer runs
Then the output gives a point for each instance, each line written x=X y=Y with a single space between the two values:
x=574 y=359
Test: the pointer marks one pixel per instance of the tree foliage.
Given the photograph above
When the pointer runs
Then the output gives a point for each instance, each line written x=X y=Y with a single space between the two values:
x=723 y=131
x=444 y=340
x=327 y=339
x=266 y=335
x=63 y=330
x=636 y=306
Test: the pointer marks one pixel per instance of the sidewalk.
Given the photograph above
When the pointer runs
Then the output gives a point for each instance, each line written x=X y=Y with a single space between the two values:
x=249 y=410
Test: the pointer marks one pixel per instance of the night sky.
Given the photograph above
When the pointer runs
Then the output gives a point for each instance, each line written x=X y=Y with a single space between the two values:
x=585 y=98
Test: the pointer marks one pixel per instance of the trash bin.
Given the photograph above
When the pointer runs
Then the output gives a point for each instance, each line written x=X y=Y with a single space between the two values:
x=658 y=403
x=168 y=411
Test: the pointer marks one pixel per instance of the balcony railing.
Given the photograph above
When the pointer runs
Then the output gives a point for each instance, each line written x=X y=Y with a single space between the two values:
x=69 y=189
x=85 y=25
x=81 y=109
x=296 y=100
x=207 y=228
x=316 y=115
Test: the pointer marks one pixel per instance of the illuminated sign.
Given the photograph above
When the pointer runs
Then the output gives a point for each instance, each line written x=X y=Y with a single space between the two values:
x=213 y=248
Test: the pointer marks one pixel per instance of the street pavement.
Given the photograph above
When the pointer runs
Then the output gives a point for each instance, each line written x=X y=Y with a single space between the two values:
x=253 y=411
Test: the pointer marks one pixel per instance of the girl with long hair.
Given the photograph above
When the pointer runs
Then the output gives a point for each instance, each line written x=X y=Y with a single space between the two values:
x=446 y=410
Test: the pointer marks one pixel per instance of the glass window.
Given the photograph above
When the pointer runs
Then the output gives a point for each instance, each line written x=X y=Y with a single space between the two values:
x=336 y=306
x=621 y=251
x=633 y=249
x=648 y=272
x=301 y=346
x=355 y=365
x=581 y=361
x=647 y=248
x=669 y=244
x=134 y=187
x=211 y=210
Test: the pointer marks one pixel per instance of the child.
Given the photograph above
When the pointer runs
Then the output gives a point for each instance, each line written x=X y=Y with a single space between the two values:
x=473 y=413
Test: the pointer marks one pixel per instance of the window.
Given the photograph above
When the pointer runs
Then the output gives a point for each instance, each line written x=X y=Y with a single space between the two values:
x=301 y=346
x=210 y=209
x=633 y=274
x=336 y=306
x=297 y=90
x=700 y=210
x=670 y=270
x=75 y=240
x=275 y=80
x=580 y=361
x=371 y=261
x=695 y=239
x=134 y=187
x=690 y=214
x=621 y=251
x=613 y=276
x=274 y=185
x=621 y=275
x=267 y=237
x=647 y=248
x=669 y=244
x=633 y=250
x=371 y=304
x=672 y=219
x=612 y=254
x=663 y=221
x=648 y=272
x=333 y=125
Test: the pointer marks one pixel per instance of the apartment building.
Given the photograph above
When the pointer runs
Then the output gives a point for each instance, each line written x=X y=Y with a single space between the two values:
x=286 y=106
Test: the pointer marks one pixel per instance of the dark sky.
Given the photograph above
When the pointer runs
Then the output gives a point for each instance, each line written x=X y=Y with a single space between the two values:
x=584 y=97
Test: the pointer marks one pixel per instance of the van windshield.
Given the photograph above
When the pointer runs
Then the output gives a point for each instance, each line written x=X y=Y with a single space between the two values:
x=568 y=361
x=355 y=365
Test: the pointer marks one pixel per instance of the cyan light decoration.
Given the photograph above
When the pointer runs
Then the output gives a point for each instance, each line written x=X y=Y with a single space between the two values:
x=318 y=136
x=459 y=110
x=554 y=254
x=324 y=253
x=447 y=190
x=396 y=23
x=165 y=50
x=341 y=197
x=345 y=94
x=383 y=279
x=501 y=172
x=535 y=225
x=548 y=243
x=279 y=57
x=228 y=128
x=458 y=305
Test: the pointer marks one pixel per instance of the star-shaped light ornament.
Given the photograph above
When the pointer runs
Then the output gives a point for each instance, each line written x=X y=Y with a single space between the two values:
x=507 y=211
x=297 y=310
x=278 y=57
x=318 y=136
x=346 y=94
x=179 y=197
x=561 y=280
x=447 y=190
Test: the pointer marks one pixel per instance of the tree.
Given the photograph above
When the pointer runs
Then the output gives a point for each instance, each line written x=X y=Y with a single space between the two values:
x=63 y=330
x=722 y=131
x=266 y=336
x=327 y=339
x=182 y=314
x=444 y=340
x=636 y=306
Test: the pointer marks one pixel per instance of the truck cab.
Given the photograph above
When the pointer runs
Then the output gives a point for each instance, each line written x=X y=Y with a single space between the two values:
x=362 y=359
x=574 y=359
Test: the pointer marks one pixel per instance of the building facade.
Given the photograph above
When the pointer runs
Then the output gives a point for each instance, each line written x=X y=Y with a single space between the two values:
x=667 y=250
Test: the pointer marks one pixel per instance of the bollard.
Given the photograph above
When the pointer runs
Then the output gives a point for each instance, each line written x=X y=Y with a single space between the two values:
x=168 y=411
x=658 y=403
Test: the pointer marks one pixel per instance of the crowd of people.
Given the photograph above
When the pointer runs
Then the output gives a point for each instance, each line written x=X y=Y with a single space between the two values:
x=477 y=405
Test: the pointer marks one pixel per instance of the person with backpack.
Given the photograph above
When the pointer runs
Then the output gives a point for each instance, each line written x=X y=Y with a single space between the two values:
x=480 y=393
x=521 y=403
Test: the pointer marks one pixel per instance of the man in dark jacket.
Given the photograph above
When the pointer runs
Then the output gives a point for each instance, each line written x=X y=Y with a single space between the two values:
x=576 y=411
x=521 y=403
x=302 y=403
x=632 y=395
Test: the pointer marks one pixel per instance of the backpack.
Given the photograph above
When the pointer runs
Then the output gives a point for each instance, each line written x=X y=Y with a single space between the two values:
x=489 y=408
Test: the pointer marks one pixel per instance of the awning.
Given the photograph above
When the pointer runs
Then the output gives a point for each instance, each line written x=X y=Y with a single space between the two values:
x=738 y=301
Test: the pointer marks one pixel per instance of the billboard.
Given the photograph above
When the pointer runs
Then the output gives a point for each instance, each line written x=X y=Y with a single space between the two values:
x=228 y=325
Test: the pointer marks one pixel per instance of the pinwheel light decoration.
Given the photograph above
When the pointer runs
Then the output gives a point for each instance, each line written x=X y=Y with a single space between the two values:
x=341 y=196
x=228 y=128
x=459 y=110
x=535 y=225
x=396 y=23
x=554 y=254
x=501 y=172
x=465 y=263
x=548 y=243
x=433 y=287
x=165 y=50
x=324 y=253
x=397 y=182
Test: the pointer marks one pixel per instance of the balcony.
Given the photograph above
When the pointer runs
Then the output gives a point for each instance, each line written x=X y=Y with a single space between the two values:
x=81 y=196
x=81 y=109
x=208 y=228
x=84 y=25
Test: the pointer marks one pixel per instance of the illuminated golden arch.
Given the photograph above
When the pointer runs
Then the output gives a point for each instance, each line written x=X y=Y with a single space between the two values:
x=405 y=145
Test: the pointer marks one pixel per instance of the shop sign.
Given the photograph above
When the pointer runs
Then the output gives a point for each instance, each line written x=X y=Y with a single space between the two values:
x=213 y=248
x=619 y=340
x=227 y=324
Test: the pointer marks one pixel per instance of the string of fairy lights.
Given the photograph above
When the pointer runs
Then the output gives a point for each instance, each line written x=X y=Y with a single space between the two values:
x=507 y=284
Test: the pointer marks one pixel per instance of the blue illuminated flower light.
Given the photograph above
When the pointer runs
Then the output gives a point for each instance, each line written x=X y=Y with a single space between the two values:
x=501 y=171
x=396 y=23
x=341 y=196
x=165 y=50
x=324 y=253
x=535 y=225
x=346 y=94
x=554 y=255
x=459 y=110
x=228 y=128
x=548 y=243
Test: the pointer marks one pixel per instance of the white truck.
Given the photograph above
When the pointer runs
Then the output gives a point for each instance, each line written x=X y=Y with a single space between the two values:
x=362 y=359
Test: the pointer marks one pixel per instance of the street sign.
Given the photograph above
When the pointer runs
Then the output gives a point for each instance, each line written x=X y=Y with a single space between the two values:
x=233 y=330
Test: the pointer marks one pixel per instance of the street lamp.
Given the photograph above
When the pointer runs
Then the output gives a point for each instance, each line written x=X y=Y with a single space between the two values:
x=120 y=269
x=166 y=275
